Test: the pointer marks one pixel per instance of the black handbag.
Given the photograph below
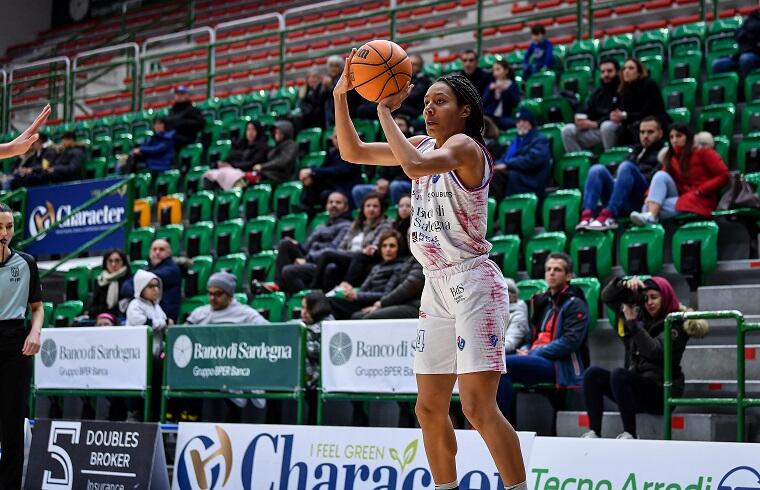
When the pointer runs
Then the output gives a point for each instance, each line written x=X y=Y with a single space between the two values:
x=740 y=194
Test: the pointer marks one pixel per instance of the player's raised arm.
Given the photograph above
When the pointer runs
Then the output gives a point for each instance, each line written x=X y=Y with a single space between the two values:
x=21 y=145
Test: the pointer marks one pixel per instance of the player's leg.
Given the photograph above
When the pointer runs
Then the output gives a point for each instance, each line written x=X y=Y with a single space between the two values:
x=432 y=409
x=478 y=394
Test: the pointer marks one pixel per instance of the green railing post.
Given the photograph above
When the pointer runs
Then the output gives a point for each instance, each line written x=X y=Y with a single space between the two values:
x=579 y=19
x=667 y=376
x=148 y=393
x=740 y=379
x=590 y=20
x=479 y=28
x=702 y=10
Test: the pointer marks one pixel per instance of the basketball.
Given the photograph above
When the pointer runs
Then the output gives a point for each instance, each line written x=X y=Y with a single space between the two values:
x=380 y=69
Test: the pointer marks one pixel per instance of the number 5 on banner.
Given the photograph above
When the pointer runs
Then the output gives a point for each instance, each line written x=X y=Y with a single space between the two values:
x=57 y=428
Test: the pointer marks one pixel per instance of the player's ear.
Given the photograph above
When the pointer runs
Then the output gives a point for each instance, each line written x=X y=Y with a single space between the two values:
x=465 y=112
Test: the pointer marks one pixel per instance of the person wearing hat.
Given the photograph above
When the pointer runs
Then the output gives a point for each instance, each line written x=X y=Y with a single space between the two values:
x=526 y=165
x=184 y=118
x=223 y=308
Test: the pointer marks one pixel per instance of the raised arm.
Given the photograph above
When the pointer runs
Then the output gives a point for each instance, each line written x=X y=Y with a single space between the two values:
x=20 y=145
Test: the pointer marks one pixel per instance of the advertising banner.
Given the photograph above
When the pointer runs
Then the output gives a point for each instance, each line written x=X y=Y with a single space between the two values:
x=234 y=357
x=88 y=455
x=281 y=457
x=52 y=203
x=104 y=358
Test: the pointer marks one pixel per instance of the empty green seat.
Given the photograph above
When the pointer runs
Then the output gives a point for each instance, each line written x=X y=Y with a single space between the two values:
x=167 y=183
x=255 y=104
x=194 y=179
x=653 y=64
x=294 y=226
x=571 y=170
x=557 y=109
x=578 y=81
x=260 y=266
x=235 y=128
x=651 y=43
x=368 y=129
x=270 y=305
x=541 y=84
x=529 y=287
x=617 y=47
x=219 y=151
x=517 y=215
x=748 y=154
x=720 y=88
x=190 y=155
x=142 y=182
x=582 y=53
x=680 y=93
x=102 y=146
x=189 y=304
x=718 y=119
x=695 y=249
x=491 y=217
x=214 y=130
x=309 y=140
x=227 y=204
x=77 y=283
x=229 y=109
x=750 y=119
x=752 y=86
x=47 y=308
x=256 y=200
x=195 y=281
x=227 y=236
x=506 y=253
x=592 y=291
x=199 y=207
x=198 y=238
x=687 y=65
x=286 y=197
x=722 y=145
x=539 y=247
x=173 y=235
x=314 y=159
x=687 y=38
x=138 y=242
x=561 y=210
x=680 y=115
x=95 y=168
x=64 y=313
x=234 y=264
x=591 y=252
x=259 y=234
x=553 y=131
x=641 y=249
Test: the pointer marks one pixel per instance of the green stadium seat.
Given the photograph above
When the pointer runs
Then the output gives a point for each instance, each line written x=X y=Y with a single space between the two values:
x=138 y=264
x=18 y=224
x=138 y=242
x=142 y=135
x=314 y=159
x=214 y=131
x=680 y=115
x=283 y=101
x=538 y=247
x=592 y=291
x=452 y=66
x=392 y=212
x=227 y=204
x=553 y=131
x=613 y=157
x=491 y=217
x=616 y=47
x=194 y=179
x=293 y=306
x=142 y=184
x=95 y=168
x=122 y=144
x=190 y=155
x=189 y=304
x=571 y=170
x=752 y=86
x=748 y=154
x=120 y=125
x=582 y=53
x=578 y=81
x=167 y=183
x=77 y=283
x=506 y=253
x=686 y=65
x=219 y=151
x=695 y=249
x=199 y=207
x=517 y=215
x=720 y=88
x=534 y=106
x=750 y=119
x=102 y=146
x=641 y=249
x=541 y=85
x=651 y=43
x=653 y=64
x=256 y=200
x=259 y=234
x=47 y=308
x=321 y=219
x=722 y=146
x=680 y=93
x=561 y=210
x=198 y=238
x=687 y=38
x=718 y=119
x=309 y=140
x=229 y=109
x=557 y=109
x=260 y=266
x=432 y=70
x=591 y=252
x=173 y=235
x=293 y=225
x=270 y=305
x=64 y=313
x=209 y=107
x=529 y=287
x=227 y=237
x=234 y=264
x=287 y=197
x=255 y=104
x=722 y=29
x=195 y=281
x=234 y=129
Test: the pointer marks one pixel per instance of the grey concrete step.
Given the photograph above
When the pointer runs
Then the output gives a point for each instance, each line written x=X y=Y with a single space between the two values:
x=735 y=297
x=717 y=363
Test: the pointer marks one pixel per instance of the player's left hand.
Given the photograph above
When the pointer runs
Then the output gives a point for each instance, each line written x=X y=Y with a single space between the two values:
x=31 y=344
x=21 y=145
x=394 y=101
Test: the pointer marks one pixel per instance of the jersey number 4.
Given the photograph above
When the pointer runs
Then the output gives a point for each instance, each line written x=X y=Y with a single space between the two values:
x=420 y=346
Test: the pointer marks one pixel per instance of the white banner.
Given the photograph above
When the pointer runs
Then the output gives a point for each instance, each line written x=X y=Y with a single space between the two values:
x=374 y=356
x=252 y=457
x=107 y=358
x=609 y=464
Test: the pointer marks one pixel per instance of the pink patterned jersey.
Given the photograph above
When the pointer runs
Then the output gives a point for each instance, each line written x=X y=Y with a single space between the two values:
x=448 y=220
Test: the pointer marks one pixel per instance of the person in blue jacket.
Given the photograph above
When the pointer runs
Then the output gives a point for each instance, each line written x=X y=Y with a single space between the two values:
x=156 y=154
x=540 y=53
x=526 y=165
x=557 y=352
x=502 y=95
x=162 y=264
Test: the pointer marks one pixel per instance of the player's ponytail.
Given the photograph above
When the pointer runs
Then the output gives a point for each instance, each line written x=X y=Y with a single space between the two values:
x=467 y=94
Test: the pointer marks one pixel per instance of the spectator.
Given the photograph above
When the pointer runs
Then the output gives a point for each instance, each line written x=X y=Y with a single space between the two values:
x=748 y=40
x=335 y=175
x=690 y=181
x=704 y=139
x=641 y=308
x=335 y=65
x=491 y=137
x=638 y=97
x=295 y=265
x=363 y=237
x=558 y=351
x=145 y=308
x=478 y=76
x=540 y=53
x=312 y=97
x=109 y=282
x=518 y=328
x=66 y=165
x=414 y=104
x=315 y=309
x=348 y=301
x=184 y=118
x=391 y=178
x=404 y=218
x=401 y=294
x=248 y=151
x=31 y=166
x=594 y=125
x=624 y=193
x=106 y=320
x=223 y=308
x=502 y=96
x=526 y=165
x=162 y=264
x=281 y=160
x=156 y=154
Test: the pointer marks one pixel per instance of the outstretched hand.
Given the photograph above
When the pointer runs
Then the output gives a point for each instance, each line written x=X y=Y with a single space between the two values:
x=21 y=145
x=344 y=83
x=394 y=101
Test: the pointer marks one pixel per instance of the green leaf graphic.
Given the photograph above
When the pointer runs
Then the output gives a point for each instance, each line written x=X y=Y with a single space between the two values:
x=410 y=452
x=394 y=456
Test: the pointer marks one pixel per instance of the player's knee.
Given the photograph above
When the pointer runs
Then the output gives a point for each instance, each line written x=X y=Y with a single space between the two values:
x=426 y=412
x=477 y=412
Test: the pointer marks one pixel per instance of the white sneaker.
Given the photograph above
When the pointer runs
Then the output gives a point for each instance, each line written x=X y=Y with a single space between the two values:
x=607 y=224
x=589 y=435
x=625 y=435
x=583 y=225
x=641 y=219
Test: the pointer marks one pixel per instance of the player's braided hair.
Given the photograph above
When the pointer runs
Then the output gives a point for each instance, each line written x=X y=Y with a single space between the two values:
x=467 y=94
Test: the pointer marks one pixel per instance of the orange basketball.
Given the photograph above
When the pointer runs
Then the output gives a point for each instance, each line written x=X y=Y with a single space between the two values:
x=380 y=69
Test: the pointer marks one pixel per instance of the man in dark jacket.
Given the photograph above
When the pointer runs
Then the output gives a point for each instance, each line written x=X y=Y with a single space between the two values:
x=295 y=264
x=478 y=76
x=68 y=164
x=526 y=165
x=184 y=118
x=413 y=105
x=558 y=353
x=625 y=193
x=282 y=159
x=156 y=154
x=401 y=298
x=31 y=167
x=594 y=126
x=162 y=264
x=748 y=39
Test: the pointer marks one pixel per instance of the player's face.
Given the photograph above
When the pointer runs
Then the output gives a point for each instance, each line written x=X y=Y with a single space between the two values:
x=443 y=114
x=555 y=273
x=372 y=209
x=389 y=249
x=6 y=227
x=405 y=207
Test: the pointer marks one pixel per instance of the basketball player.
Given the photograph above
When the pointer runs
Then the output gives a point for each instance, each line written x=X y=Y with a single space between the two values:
x=465 y=307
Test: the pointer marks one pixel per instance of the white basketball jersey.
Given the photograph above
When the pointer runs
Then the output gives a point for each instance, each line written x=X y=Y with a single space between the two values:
x=449 y=221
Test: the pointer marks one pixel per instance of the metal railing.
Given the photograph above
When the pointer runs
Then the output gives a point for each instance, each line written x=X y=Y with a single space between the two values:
x=130 y=60
x=57 y=89
x=740 y=401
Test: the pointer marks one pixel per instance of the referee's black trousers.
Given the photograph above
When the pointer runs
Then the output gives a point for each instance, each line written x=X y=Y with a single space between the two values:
x=15 y=376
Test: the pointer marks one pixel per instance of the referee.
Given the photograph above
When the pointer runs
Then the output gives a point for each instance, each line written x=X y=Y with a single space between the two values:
x=19 y=286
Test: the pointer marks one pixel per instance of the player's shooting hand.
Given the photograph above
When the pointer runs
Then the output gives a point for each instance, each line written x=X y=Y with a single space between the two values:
x=394 y=101
x=344 y=83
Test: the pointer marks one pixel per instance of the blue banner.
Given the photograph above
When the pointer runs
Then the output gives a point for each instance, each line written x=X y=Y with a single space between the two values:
x=52 y=203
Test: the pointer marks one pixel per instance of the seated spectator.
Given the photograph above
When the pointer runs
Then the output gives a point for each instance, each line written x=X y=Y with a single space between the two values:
x=348 y=300
x=296 y=263
x=690 y=181
x=595 y=124
x=518 y=328
x=637 y=387
x=502 y=96
x=540 y=53
x=401 y=294
x=106 y=320
x=163 y=265
x=223 y=308
x=527 y=163
x=249 y=150
x=156 y=154
x=557 y=352
x=391 y=182
x=624 y=193
x=404 y=218
x=184 y=118
x=748 y=40
x=282 y=159
x=334 y=175
x=109 y=282
x=638 y=97
x=335 y=65
x=362 y=237
x=491 y=137
x=145 y=308
x=311 y=101
x=315 y=309
x=413 y=105
x=478 y=76
x=31 y=165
